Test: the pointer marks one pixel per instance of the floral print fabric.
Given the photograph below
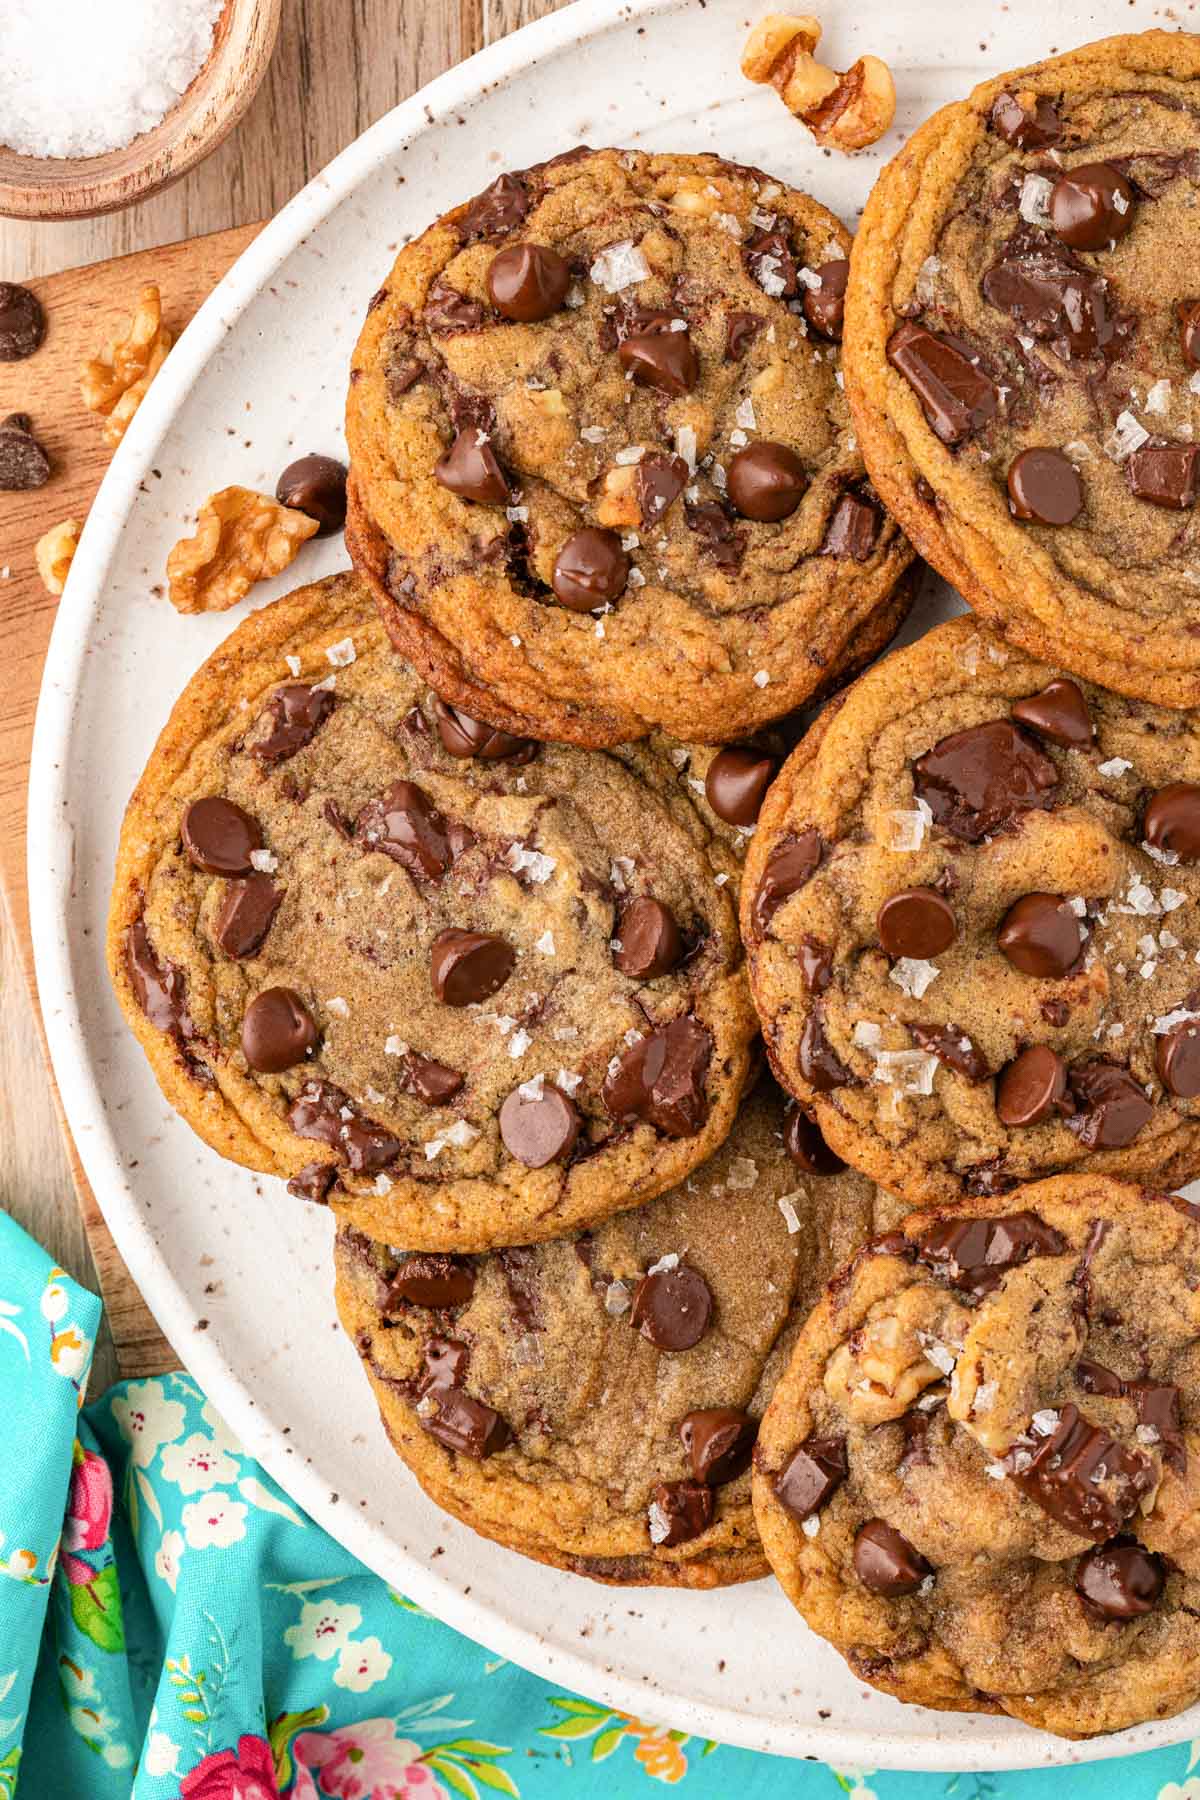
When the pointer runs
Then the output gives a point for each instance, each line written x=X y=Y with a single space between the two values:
x=172 y=1627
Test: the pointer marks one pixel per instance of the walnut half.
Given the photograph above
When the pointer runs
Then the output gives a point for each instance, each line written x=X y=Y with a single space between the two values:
x=54 y=553
x=846 y=112
x=241 y=537
x=115 y=382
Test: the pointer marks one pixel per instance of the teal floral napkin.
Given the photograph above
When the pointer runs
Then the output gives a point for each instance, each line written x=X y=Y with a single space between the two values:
x=172 y=1627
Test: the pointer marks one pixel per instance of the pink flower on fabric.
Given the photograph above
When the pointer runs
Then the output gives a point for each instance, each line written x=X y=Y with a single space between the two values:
x=89 y=1504
x=247 y=1773
x=362 y=1762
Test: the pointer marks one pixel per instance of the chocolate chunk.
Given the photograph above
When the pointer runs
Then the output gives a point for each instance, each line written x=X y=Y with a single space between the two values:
x=1091 y=206
x=973 y=1254
x=1177 y=1059
x=590 y=570
x=1164 y=475
x=446 y=1363
x=1120 y=1580
x=1029 y=124
x=316 y=486
x=741 y=329
x=956 y=396
x=277 y=1031
x=324 y=1112
x=1043 y=486
x=430 y=1080
x=447 y=312
x=665 y=360
x=295 y=713
x=1189 y=332
x=811 y=1476
x=816 y=964
x=819 y=1063
x=499 y=209
x=770 y=259
x=1040 y=935
x=468 y=966
x=719 y=1442
x=405 y=825
x=462 y=1423
x=661 y=1079
x=1056 y=1012
x=1080 y=1475
x=1157 y=1402
x=471 y=470
x=1171 y=821
x=312 y=1182
x=766 y=481
x=722 y=540
x=464 y=736
x=1033 y=1086
x=1110 y=1106
x=885 y=1561
x=916 y=922
x=245 y=915
x=952 y=1047
x=219 y=836
x=792 y=863
x=542 y=1130
x=23 y=462
x=853 y=529
x=651 y=942
x=680 y=1511
x=527 y=282
x=671 y=1307
x=1052 y=297
x=825 y=306
x=22 y=322
x=737 y=781
x=975 y=781
x=431 y=1281
x=159 y=988
x=659 y=481
x=1058 y=712
x=805 y=1145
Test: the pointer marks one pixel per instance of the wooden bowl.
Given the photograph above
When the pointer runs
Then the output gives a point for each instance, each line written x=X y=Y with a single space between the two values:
x=46 y=187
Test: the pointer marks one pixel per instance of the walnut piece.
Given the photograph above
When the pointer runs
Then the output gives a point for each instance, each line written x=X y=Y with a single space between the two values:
x=241 y=537
x=845 y=112
x=115 y=382
x=54 y=552
x=900 y=1349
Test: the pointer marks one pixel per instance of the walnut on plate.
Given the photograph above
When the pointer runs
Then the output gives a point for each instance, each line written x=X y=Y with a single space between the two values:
x=844 y=112
x=54 y=553
x=241 y=537
x=115 y=382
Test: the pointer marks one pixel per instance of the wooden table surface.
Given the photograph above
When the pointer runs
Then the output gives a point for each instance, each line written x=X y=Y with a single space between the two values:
x=339 y=65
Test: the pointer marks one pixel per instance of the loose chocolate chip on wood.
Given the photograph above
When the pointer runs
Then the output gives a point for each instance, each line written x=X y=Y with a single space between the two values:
x=404 y=824
x=23 y=462
x=431 y=1281
x=806 y=1146
x=1164 y=475
x=885 y=1561
x=956 y=396
x=825 y=305
x=527 y=282
x=679 y=1512
x=468 y=966
x=1120 y=1580
x=671 y=1307
x=661 y=1079
x=539 y=1130
x=316 y=486
x=246 y=915
x=1032 y=1087
x=1171 y=821
x=719 y=1442
x=1044 y=487
x=651 y=942
x=218 y=836
x=277 y=1031
x=737 y=781
x=471 y=470
x=1058 y=712
x=1177 y=1058
x=811 y=1476
x=22 y=322
x=766 y=481
x=590 y=570
x=975 y=781
x=295 y=714
x=916 y=922
x=1040 y=935
x=853 y=529
x=1111 y=1108
x=1026 y=122
x=1091 y=206
x=665 y=360
x=792 y=863
x=973 y=1254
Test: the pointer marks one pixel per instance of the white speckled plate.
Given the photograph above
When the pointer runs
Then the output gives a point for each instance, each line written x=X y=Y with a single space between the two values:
x=238 y=1273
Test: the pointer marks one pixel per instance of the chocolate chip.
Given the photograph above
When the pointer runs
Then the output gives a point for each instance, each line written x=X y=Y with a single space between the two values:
x=665 y=360
x=405 y=825
x=1058 y=712
x=23 y=462
x=315 y=485
x=219 y=837
x=952 y=1047
x=811 y=1476
x=1189 y=332
x=22 y=322
x=462 y=1423
x=741 y=329
x=651 y=942
x=1040 y=935
x=1177 y=1059
x=722 y=540
x=1052 y=298
x=295 y=714
x=973 y=1254
x=446 y=1363
x=1110 y=1106
x=431 y=1281
x=659 y=481
x=322 y=1111
x=468 y=966
x=245 y=915
x=1043 y=486
x=499 y=209
x=719 y=1442
x=590 y=570
x=312 y=1182
x=956 y=396
x=885 y=1561
x=916 y=922
x=770 y=259
x=1171 y=821
x=527 y=282
x=277 y=1031
x=974 y=781
x=158 y=986
x=1080 y=1475
x=671 y=1307
x=680 y=1511
x=1157 y=1402
x=792 y=863
x=805 y=1145
x=819 y=1063
x=1033 y=126
x=661 y=1079
x=737 y=781
x=1120 y=1580
x=464 y=736
x=470 y=469
x=430 y=1080
x=816 y=964
x=1033 y=1086
x=447 y=312
x=766 y=481
x=1091 y=206
x=853 y=529
x=539 y=1131
x=1164 y=475
x=825 y=306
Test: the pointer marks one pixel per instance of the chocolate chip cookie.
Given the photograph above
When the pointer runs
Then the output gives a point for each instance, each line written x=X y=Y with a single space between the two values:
x=1023 y=356
x=972 y=912
x=603 y=475
x=977 y=1477
x=592 y=1402
x=473 y=989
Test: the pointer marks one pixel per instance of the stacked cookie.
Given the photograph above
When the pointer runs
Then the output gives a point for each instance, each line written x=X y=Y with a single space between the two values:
x=458 y=890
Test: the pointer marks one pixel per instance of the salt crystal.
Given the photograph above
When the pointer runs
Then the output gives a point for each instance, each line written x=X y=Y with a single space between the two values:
x=532 y=1089
x=867 y=1035
x=1045 y=1423
x=524 y=861
x=767 y=271
x=1171 y=898
x=658 y=1523
x=786 y=1205
x=811 y=1525
x=461 y=1134
x=1168 y=1021
x=685 y=444
x=1078 y=451
x=293 y=663
x=912 y=975
x=1116 y=765
x=564 y=1034
x=909 y=1071
x=1158 y=400
x=1167 y=857
x=394 y=1046
x=341 y=654
x=632 y=453
x=616 y=1299
x=592 y=434
x=1127 y=436
x=545 y=944
x=664 y=1265
x=339 y=1007
x=761 y=678
x=264 y=862
x=744 y=415
x=568 y=1080
x=1034 y=205
x=743 y=1174
x=619 y=266
x=908 y=828
x=382 y=1185
x=619 y=871
x=516 y=515
x=519 y=1043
